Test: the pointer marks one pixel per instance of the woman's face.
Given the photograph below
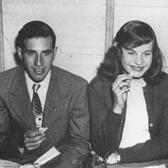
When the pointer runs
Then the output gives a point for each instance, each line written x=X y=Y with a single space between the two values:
x=138 y=60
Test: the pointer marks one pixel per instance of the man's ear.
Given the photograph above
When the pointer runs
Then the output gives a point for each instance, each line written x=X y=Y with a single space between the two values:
x=19 y=52
x=55 y=51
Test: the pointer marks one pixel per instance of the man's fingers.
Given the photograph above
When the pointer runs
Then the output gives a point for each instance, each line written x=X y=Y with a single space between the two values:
x=34 y=144
x=32 y=133
x=35 y=138
x=32 y=147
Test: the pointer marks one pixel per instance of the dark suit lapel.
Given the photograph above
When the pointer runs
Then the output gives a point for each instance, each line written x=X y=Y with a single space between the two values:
x=20 y=101
x=54 y=100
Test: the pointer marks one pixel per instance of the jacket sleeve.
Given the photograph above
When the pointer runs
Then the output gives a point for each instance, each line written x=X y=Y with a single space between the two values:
x=10 y=137
x=8 y=142
x=4 y=126
x=77 y=144
x=105 y=124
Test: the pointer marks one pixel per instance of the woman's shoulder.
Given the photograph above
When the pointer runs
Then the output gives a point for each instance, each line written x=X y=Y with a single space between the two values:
x=164 y=77
x=98 y=83
x=98 y=80
x=163 y=81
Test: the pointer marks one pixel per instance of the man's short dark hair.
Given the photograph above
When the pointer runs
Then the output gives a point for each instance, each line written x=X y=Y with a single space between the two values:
x=34 y=29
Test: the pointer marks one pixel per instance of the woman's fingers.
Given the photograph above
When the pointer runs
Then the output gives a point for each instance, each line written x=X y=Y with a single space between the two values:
x=122 y=80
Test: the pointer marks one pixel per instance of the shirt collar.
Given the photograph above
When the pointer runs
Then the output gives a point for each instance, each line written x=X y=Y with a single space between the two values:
x=43 y=83
x=138 y=82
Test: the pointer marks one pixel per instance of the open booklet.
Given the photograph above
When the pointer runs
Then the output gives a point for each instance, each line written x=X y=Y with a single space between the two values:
x=49 y=155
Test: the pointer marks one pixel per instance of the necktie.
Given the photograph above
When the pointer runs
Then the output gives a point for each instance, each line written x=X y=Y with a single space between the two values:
x=36 y=106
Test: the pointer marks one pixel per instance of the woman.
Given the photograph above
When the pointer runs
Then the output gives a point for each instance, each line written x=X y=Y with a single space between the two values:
x=129 y=99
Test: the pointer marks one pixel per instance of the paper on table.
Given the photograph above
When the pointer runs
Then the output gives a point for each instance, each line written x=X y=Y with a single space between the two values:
x=157 y=166
x=50 y=154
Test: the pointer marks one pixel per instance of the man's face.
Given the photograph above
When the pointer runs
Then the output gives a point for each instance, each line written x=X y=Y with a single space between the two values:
x=37 y=57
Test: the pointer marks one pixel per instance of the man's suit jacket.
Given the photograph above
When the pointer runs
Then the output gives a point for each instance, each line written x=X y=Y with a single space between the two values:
x=65 y=115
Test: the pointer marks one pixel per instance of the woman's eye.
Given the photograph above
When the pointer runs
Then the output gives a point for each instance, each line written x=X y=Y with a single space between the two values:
x=147 y=53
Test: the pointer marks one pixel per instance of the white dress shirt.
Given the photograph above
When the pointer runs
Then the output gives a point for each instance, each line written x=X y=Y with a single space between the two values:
x=42 y=91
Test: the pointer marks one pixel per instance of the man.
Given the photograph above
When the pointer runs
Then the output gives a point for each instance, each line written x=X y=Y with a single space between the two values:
x=58 y=113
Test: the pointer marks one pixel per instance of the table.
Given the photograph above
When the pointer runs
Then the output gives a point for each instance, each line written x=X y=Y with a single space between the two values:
x=151 y=164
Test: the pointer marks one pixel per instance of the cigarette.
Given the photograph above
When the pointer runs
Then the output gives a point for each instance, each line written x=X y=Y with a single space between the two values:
x=43 y=130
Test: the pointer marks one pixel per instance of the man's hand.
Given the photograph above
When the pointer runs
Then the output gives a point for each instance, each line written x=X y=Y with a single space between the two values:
x=33 y=139
x=8 y=164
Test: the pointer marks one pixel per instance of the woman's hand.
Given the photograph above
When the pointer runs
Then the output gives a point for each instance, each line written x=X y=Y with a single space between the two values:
x=120 y=87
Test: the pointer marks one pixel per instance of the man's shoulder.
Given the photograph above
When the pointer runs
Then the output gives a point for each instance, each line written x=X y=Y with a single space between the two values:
x=8 y=74
x=64 y=75
x=7 y=77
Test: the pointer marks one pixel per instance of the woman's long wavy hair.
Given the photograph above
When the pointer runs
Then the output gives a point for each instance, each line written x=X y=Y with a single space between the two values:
x=131 y=35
